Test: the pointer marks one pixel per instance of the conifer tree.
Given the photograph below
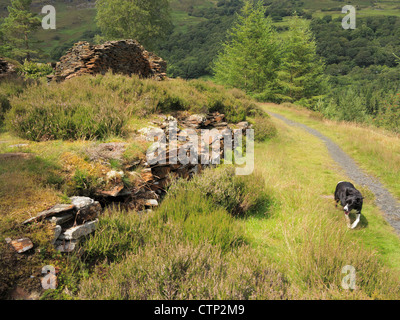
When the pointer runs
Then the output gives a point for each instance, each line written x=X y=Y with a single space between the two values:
x=250 y=57
x=17 y=28
x=300 y=74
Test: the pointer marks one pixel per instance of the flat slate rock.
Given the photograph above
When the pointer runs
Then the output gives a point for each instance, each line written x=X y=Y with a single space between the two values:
x=61 y=219
x=77 y=232
x=58 y=208
x=21 y=245
x=81 y=202
x=116 y=191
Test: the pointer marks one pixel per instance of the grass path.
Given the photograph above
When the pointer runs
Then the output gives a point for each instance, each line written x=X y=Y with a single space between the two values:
x=384 y=199
x=376 y=151
x=303 y=232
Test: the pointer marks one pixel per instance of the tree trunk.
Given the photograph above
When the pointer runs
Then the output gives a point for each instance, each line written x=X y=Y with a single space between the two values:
x=28 y=55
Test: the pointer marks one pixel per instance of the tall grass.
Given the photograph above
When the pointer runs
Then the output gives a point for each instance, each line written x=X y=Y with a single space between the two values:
x=190 y=248
x=97 y=107
x=9 y=87
x=375 y=150
x=175 y=270
x=307 y=236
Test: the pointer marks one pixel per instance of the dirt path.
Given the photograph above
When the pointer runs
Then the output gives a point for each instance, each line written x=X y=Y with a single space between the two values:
x=384 y=199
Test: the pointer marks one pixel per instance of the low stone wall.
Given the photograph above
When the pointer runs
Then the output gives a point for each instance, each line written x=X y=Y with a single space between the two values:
x=79 y=218
x=123 y=56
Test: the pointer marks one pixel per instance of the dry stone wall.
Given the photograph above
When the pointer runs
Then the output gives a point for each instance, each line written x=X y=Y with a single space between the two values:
x=123 y=56
x=79 y=218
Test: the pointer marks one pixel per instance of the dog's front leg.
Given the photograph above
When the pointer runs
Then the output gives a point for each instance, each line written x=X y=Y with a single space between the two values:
x=355 y=223
x=347 y=220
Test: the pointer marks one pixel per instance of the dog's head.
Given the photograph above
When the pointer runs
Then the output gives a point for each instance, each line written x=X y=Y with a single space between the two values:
x=353 y=201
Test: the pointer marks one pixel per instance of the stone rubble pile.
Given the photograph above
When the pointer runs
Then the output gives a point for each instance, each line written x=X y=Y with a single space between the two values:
x=124 y=56
x=6 y=68
x=156 y=177
x=70 y=221
x=79 y=218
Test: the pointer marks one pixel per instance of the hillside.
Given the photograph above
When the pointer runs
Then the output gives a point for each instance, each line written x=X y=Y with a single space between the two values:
x=200 y=27
x=216 y=235
x=125 y=181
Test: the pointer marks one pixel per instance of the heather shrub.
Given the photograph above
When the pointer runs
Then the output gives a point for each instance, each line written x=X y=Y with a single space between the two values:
x=388 y=116
x=33 y=70
x=178 y=271
x=236 y=194
x=90 y=107
x=4 y=106
x=71 y=110
x=264 y=129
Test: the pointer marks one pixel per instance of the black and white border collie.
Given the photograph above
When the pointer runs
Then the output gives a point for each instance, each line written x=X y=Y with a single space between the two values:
x=350 y=198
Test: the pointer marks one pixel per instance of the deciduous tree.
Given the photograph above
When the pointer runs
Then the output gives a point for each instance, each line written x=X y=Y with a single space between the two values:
x=143 y=20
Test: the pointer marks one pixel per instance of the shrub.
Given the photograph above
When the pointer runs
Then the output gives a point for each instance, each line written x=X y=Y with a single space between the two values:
x=173 y=270
x=199 y=220
x=9 y=87
x=71 y=110
x=32 y=70
x=89 y=107
x=4 y=106
x=389 y=114
x=264 y=129
x=236 y=194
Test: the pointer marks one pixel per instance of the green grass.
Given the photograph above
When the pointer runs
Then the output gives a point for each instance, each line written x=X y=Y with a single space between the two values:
x=375 y=150
x=305 y=234
x=102 y=106
x=294 y=247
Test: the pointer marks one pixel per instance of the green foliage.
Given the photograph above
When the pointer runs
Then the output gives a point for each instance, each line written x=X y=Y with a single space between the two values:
x=97 y=107
x=239 y=195
x=190 y=248
x=54 y=114
x=8 y=88
x=177 y=270
x=249 y=59
x=191 y=47
x=347 y=106
x=264 y=129
x=32 y=70
x=145 y=21
x=118 y=233
x=199 y=220
x=364 y=95
x=17 y=28
x=373 y=42
x=389 y=114
x=254 y=60
x=300 y=74
x=4 y=106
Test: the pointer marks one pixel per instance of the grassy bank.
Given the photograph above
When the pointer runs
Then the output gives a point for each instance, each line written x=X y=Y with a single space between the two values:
x=97 y=107
x=291 y=244
x=56 y=127
x=307 y=236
